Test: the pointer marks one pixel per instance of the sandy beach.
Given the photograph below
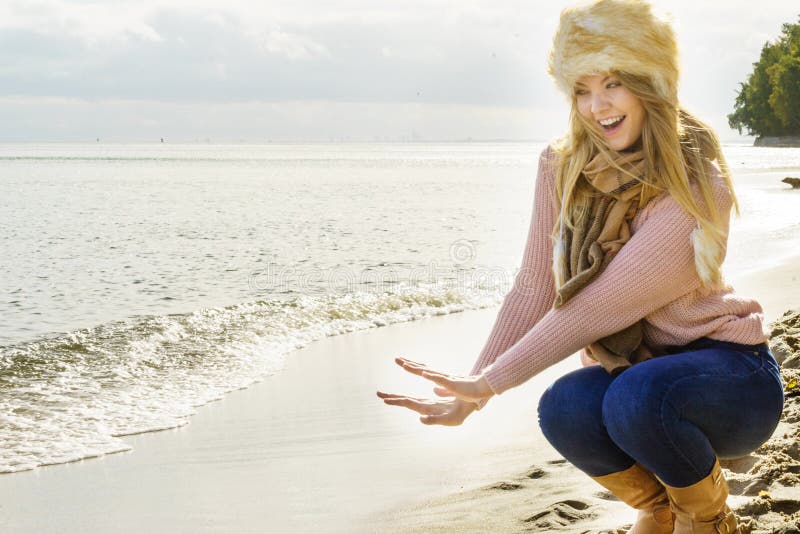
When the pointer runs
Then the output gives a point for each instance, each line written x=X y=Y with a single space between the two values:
x=313 y=450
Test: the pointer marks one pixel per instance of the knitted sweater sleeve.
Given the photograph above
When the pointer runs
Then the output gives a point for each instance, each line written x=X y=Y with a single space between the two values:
x=533 y=291
x=655 y=267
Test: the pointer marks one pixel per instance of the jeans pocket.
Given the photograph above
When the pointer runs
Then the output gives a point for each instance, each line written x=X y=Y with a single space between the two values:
x=756 y=362
x=759 y=355
x=770 y=357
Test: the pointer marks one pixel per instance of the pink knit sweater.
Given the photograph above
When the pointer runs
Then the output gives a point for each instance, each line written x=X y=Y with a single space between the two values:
x=652 y=277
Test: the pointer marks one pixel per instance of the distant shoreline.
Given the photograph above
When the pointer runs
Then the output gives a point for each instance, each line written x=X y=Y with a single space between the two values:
x=787 y=141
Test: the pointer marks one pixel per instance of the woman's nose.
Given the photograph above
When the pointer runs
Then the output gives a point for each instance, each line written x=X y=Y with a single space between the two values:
x=599 y=103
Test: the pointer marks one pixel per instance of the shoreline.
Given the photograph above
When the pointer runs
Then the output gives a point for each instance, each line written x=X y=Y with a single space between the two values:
x=781 y=141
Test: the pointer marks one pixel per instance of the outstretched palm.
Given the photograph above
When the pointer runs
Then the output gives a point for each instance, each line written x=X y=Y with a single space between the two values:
x=461 y=393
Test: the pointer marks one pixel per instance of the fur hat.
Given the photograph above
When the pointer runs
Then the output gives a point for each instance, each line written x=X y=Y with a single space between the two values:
x=622 y=35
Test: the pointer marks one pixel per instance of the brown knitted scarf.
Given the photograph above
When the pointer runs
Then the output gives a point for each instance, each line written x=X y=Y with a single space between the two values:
x=594 y=243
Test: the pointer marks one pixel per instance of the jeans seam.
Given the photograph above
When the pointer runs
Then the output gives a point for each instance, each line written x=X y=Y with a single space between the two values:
x=663 y=400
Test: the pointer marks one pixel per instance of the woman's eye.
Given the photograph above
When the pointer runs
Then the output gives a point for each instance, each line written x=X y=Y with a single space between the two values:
x=613 y=84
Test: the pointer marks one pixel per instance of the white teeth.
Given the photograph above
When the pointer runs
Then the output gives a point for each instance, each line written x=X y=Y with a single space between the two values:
x=609 y=122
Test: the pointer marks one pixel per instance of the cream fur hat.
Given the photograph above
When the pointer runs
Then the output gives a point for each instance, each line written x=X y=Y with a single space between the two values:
x=621 y=35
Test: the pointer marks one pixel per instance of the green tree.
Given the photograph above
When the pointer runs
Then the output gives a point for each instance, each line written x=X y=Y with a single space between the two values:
x=768 y=104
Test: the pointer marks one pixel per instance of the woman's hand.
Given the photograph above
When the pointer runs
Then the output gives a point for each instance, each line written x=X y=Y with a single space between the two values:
x=470 y=388
x=448 y=412
x=466 y=390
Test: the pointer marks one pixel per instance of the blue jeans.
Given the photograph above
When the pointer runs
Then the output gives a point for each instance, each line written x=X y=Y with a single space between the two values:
x=672 y=414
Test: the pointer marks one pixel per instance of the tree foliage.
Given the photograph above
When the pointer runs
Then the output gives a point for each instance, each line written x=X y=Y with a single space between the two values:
x=768 y=104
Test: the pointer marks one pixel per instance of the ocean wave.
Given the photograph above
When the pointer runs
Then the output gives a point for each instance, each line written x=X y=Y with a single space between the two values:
x=73 y=396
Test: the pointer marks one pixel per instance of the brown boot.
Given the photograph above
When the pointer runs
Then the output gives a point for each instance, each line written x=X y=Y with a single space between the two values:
x=701 y=507
x=639 y=489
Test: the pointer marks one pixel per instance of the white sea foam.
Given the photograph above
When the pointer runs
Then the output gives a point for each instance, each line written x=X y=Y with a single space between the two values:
x=75 y=396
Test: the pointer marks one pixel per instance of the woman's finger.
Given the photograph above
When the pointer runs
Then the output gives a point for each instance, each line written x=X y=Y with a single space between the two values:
x=462 y=388
x=383 y=395
x=410 y=363
x=415 y=366
x=444 y=381
x=401 y=358
x=443 y=392
x=424 y=407
x=410 y=366
x=446 y=419
x=433 y=372
x=419 y=370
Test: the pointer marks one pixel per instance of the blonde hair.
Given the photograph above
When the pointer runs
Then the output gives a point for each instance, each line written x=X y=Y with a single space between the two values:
x=677 y=147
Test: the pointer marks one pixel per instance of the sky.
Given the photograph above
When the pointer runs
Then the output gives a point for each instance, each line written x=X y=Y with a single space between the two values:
x=315 y=70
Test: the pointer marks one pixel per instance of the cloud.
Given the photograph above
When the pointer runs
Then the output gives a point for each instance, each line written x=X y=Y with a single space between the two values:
x=170 y=51
x=480 y=54
x=289 y=45
x=92 y=23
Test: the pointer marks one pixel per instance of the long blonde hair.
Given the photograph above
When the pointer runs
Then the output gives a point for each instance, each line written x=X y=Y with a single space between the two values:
x=677 y=147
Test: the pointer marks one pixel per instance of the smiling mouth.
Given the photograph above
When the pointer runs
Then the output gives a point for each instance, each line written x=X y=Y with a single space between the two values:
x=613 y=127
x=610 y=125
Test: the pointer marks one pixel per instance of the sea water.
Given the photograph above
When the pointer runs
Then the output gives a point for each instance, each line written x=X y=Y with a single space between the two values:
x=141 y=281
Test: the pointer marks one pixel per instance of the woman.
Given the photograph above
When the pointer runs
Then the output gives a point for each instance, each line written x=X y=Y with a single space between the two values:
x=637 y=198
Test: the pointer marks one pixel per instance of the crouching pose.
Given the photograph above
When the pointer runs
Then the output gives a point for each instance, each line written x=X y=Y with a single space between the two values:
x=622 y=261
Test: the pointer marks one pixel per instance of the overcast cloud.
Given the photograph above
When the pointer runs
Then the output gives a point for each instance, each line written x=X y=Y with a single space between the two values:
x=315 y=70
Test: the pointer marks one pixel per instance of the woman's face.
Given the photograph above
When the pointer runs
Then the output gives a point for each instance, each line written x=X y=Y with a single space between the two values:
x=602 y=99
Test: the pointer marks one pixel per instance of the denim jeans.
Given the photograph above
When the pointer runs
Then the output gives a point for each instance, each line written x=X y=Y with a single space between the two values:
x=672 y=414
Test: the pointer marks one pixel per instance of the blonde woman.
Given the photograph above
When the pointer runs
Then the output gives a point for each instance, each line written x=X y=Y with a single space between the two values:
x=628 y=233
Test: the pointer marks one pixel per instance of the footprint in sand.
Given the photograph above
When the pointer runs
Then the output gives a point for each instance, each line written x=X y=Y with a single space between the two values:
x=535 y=472
x=606 y=495
x=506 y=486
x=561 y=514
